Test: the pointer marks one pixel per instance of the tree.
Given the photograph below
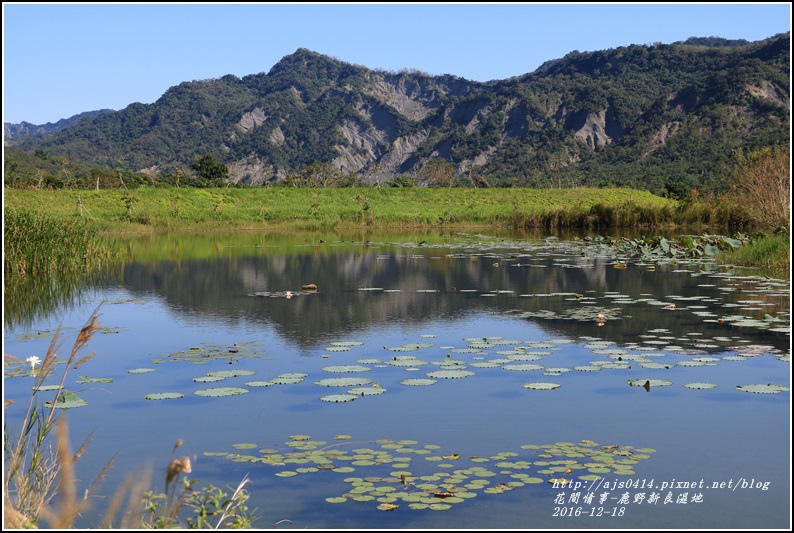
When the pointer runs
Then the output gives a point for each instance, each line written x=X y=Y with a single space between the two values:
x=438 y=173
x=763 y=186
x=210 y=171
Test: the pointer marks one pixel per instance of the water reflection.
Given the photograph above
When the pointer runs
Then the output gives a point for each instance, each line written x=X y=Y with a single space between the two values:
x=175 y=293
x=363 y=286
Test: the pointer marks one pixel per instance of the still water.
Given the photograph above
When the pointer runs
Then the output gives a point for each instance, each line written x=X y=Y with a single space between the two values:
x=443 y=340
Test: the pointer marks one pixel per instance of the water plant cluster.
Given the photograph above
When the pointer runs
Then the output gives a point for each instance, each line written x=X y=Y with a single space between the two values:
x=392 y=474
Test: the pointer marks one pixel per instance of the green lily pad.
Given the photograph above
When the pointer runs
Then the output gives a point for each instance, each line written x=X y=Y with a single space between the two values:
x=230 y=373
x=259 y=383
x=47 y=387
x=418 y=382
x=208 y=379
x=343 y=382
x=67 y=400
x=523 y=367
x=763 y=389
x=164 y=396
x=221 y=391
x=346 y=368
x=339 y=398
x=699 y=386
x=140 y=370
x=450 y=374
x=367 y=391
x=84 y=379
x=541 y=386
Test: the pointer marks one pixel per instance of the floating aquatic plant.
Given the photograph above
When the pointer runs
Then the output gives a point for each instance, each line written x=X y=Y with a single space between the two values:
x=541 y=386
x=700 y=386
x=763 y=389
x=221 y=391
x=259 y=383
x=343 y=382
x=338 y=398
x=67 y=400
x=450 y=374
x=523 y=367
x=418 y=382
x=367 y=391
x=85 y=379
x=164 y=396
x=346 y=368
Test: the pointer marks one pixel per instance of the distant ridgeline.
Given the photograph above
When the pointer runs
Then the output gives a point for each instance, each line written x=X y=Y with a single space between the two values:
x=656 y=117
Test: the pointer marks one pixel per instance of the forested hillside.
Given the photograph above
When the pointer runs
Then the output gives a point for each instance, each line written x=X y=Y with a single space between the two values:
x=665 y=118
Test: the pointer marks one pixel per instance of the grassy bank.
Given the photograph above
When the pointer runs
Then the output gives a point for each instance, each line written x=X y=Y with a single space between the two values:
x=770 y=255
x=279 y=207
x=38 y=246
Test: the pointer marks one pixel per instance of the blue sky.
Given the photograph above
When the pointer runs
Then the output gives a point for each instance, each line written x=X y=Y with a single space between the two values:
x=63 y=59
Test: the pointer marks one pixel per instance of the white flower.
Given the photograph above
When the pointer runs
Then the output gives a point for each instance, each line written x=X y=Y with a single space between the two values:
x=33 y=360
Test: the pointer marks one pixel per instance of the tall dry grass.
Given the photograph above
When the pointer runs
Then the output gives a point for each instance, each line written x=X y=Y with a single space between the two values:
x=40 y=482
x=35 y=471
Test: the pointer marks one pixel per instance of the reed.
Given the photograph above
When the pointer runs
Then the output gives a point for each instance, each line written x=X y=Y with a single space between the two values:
x=46 y=260
x=40 y=481
x=35 y=472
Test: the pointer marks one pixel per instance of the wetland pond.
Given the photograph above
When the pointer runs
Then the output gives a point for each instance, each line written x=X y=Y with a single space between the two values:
x=444 y=378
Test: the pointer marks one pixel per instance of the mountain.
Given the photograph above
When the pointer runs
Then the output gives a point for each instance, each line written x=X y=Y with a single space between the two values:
x=641 y=116
x=27 y=129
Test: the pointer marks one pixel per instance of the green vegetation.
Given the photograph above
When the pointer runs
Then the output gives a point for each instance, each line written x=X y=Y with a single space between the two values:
x=146 y=209
x=770 y=254
x=42 y=246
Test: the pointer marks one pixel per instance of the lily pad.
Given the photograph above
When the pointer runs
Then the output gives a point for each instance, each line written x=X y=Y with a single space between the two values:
x=140 y=370
x=221 y=391
x=700 y=386
x=84 y=379
x=259 y=383
x=523 y=367
x=450 y=374
x=367 y=391
x=418 y=382
x=67 y=400
x=346 y=368
x=541 y=386
x=230 y=373
x=763 y=389
x=343 y=382
x=339 y=398
x=164 y=396
x=208 y=379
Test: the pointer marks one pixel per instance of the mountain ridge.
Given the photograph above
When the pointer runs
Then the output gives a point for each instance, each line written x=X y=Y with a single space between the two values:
x=633 y=115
